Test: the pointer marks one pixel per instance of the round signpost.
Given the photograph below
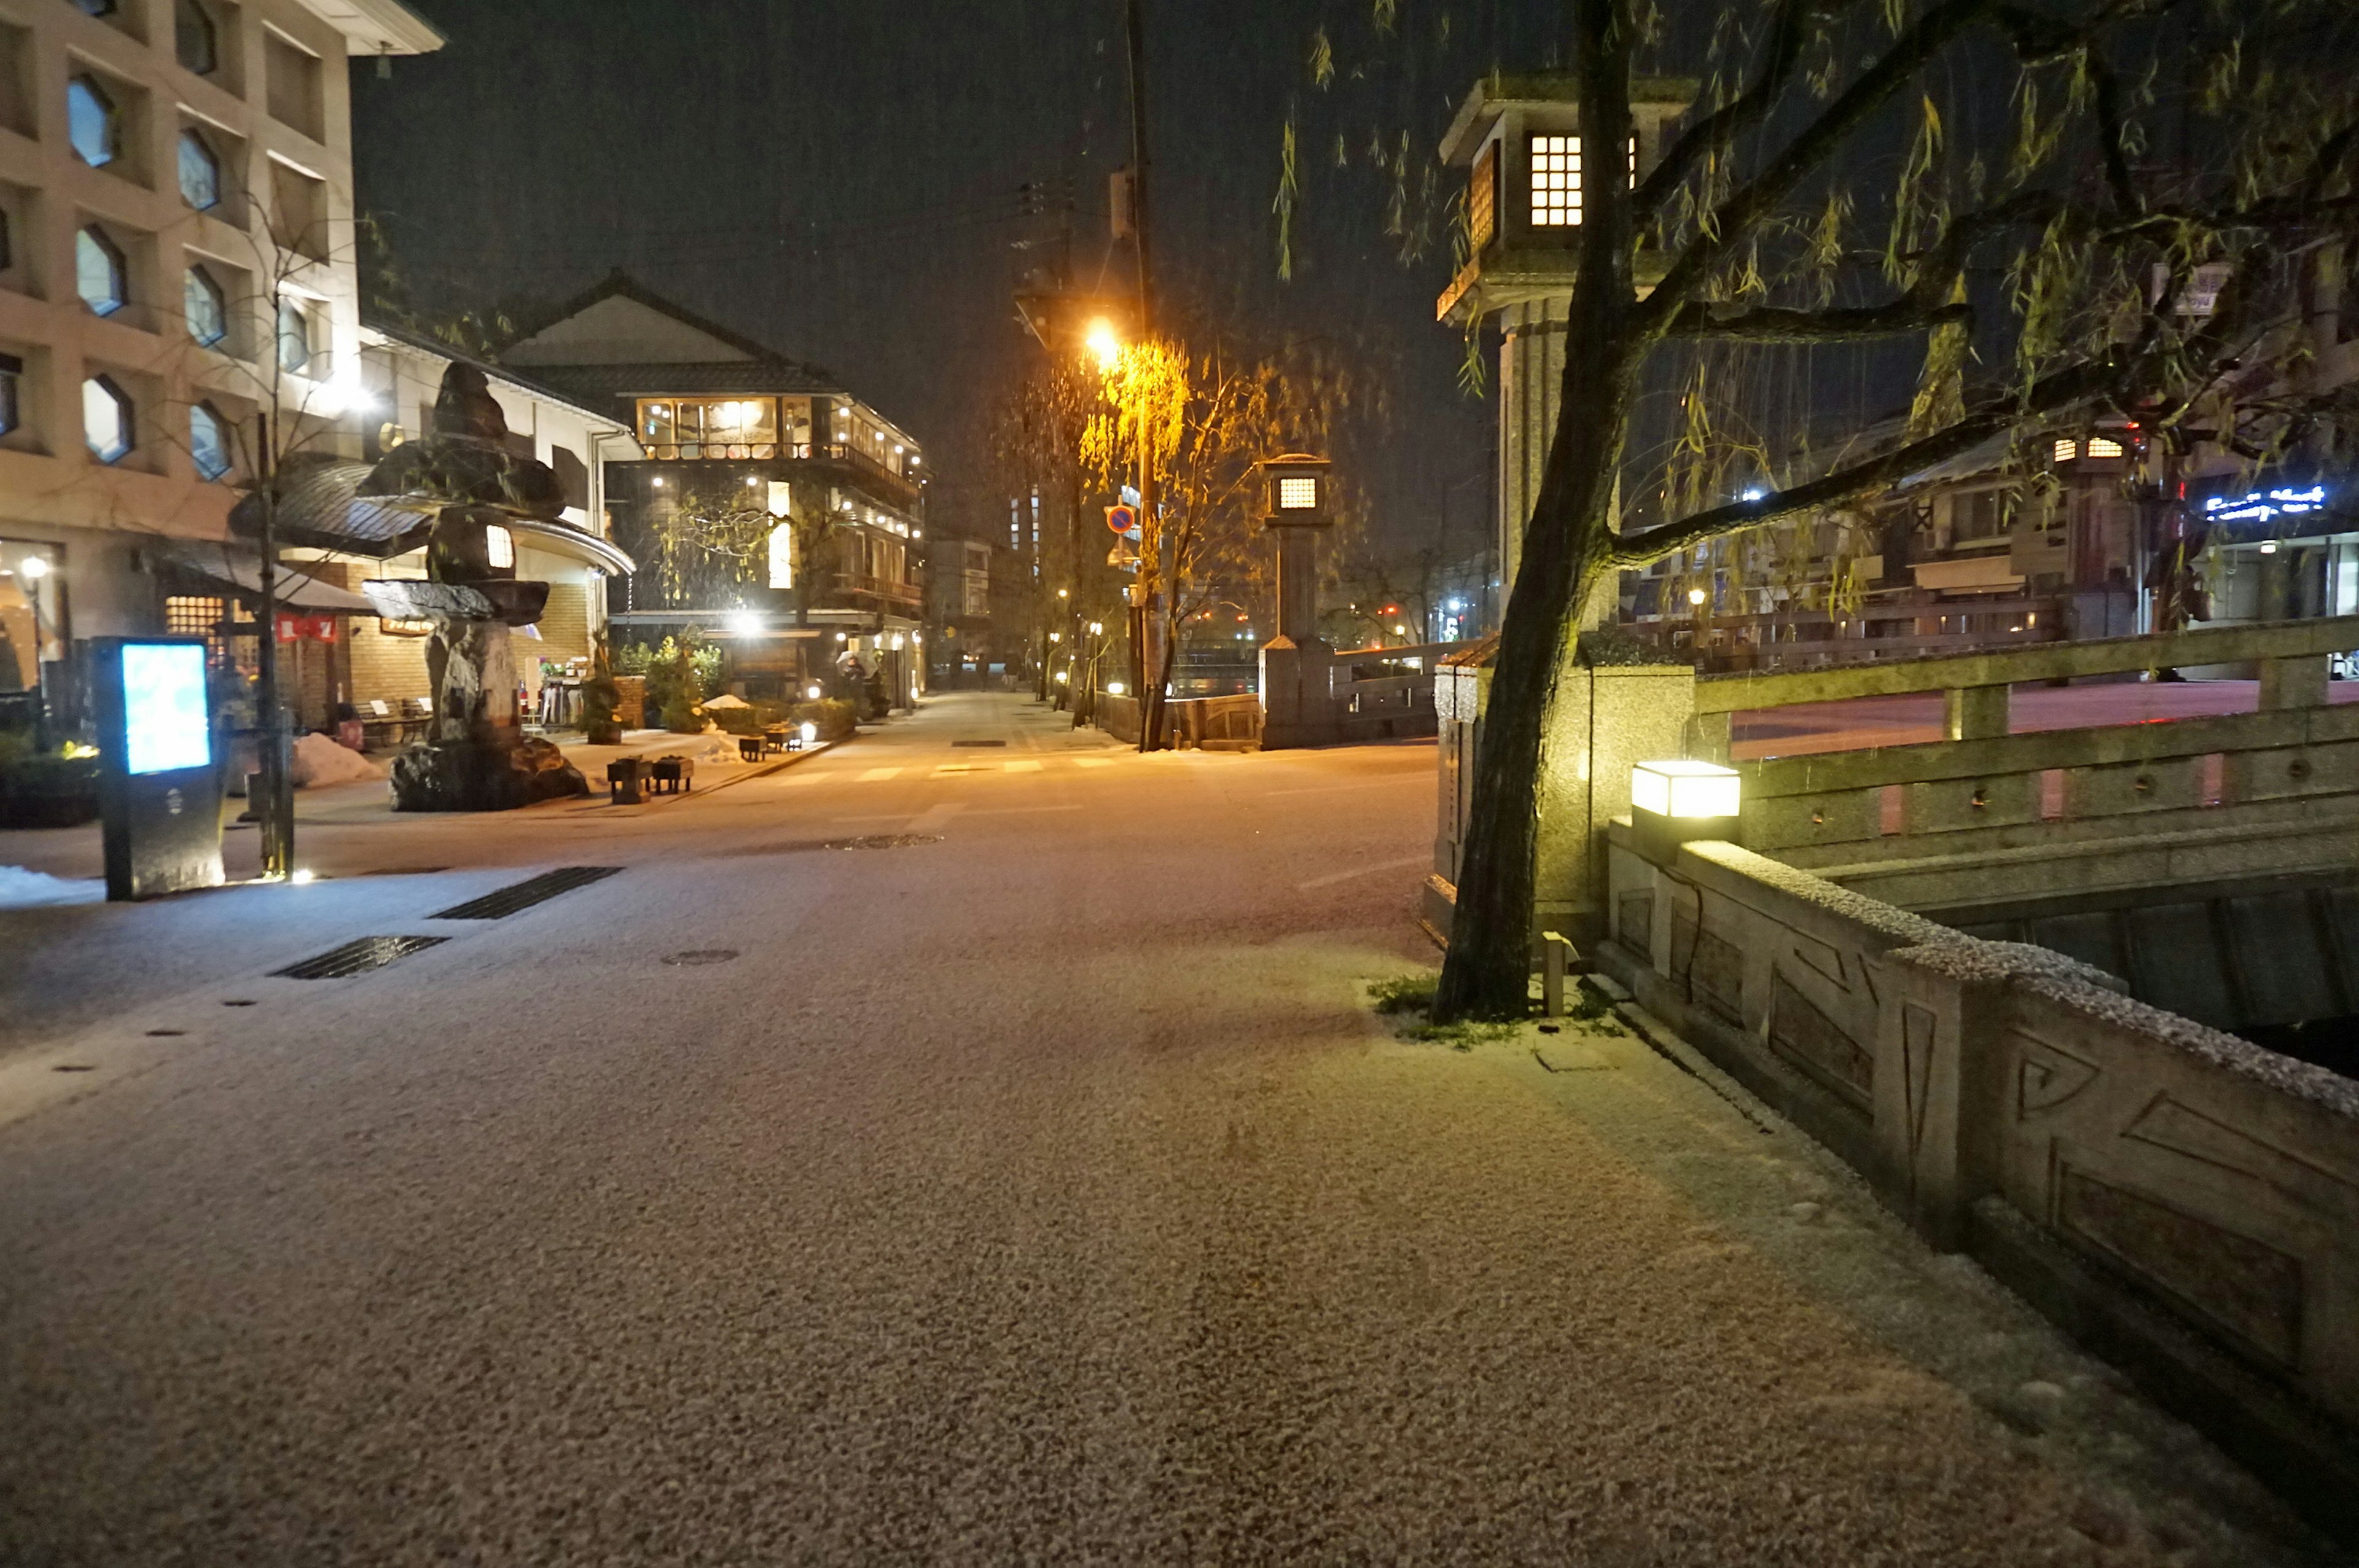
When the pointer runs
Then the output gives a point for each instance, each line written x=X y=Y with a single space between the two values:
x=1122 y=519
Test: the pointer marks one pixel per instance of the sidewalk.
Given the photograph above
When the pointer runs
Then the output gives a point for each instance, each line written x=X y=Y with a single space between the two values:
x=76 y=854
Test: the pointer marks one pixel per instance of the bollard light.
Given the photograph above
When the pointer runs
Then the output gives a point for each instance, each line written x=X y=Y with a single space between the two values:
x=809 y=732
x=1672 y=802
x=1115 y=689
x=1684 y=789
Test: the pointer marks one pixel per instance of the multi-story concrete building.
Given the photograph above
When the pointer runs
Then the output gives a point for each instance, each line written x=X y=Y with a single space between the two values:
x=176 y=260
x=724 y=429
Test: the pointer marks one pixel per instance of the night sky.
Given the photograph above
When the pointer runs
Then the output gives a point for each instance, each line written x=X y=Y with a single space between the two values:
x=839 y=179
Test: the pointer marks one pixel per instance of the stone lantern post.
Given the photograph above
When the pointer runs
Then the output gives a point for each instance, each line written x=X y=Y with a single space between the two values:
x=1297 y=706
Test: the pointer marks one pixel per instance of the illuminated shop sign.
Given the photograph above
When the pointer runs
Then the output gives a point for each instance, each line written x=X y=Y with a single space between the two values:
x=2263 y=506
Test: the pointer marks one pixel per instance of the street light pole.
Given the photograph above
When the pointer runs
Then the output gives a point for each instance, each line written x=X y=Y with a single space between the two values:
x=1151 y=577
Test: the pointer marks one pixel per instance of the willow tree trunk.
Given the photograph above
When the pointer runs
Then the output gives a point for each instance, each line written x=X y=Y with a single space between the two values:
x=1567 y=555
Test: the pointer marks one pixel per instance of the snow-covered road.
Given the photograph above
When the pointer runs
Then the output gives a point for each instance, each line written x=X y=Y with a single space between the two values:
x=974 y=1153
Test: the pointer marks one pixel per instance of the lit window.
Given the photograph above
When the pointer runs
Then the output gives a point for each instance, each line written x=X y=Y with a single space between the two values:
x=106 y=418
x=209 y=440
x=294 y=335
x=98 y=272
x=12 y=373
x=1297 y=494
x=499 y=546
x=207 y=311
x=782 y=557
x=195 y=38
x=91 y=124
x=2102 y=447
x=1556 y=182
x=199 y=173
x=2067 y=450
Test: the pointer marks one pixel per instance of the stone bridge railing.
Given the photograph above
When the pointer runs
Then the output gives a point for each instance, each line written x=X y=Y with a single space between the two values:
x=2184 y=1201
x=1986 y=816
x=1979 y=819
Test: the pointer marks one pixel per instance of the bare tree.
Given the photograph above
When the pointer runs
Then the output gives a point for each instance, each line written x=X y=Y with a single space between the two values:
x=1973 y=177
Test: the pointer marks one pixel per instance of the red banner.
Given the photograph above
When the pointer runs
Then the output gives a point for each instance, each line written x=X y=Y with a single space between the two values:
x=293 y=628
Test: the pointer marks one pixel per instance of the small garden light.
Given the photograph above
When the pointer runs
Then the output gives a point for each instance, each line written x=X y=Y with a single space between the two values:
x=1673 y=802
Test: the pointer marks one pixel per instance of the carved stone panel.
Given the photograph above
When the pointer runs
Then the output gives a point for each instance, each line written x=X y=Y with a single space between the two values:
x=2245 y=1286
x=1633 y=921
x=1812 y=1041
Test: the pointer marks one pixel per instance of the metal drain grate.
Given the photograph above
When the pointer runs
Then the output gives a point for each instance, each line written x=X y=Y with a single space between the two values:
x=357 y=957
x=978 y=742
x=698 y=956
x=883 y=841
x=524 y=894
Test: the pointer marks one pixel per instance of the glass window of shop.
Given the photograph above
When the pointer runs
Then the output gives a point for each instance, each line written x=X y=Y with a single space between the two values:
x=693 y=427
x=21 y=594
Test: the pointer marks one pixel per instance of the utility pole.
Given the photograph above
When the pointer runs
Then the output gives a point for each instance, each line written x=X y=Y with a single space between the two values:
x=1151 y=575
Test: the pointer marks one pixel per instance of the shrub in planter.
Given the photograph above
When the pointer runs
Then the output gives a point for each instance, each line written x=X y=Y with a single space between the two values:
x=835 y=719
x=49 y=790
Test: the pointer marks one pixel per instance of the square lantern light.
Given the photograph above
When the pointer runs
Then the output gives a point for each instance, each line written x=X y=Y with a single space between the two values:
x=1674 y=802
x=1295 y=491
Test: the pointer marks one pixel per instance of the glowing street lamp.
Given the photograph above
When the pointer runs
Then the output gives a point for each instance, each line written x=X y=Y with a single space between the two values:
x=1104 y=343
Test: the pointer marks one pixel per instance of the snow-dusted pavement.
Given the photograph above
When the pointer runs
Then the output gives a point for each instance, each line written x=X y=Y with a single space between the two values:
x=1030 y=1186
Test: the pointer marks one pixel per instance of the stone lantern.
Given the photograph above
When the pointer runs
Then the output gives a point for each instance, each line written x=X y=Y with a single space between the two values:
x=1519 y=138
x=1297 y=707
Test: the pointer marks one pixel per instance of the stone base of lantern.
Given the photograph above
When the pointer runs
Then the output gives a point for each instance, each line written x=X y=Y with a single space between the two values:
x=468 y=775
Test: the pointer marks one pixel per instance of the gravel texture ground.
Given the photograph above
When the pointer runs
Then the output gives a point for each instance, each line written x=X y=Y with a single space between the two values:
x=1036 y=1187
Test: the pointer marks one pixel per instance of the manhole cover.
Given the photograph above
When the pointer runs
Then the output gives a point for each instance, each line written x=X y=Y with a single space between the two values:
x=166 y=1033
x=73 y=1067
x=883 y=841
x=701 y=956
x=978 y=742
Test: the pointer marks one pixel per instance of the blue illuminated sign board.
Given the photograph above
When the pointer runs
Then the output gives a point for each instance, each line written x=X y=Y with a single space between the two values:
x=167 y=721
x=2265 y=506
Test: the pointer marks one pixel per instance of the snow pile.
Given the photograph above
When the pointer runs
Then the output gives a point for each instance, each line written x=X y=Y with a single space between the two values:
x=21 y=889
x=320 y=761
x=710 y=747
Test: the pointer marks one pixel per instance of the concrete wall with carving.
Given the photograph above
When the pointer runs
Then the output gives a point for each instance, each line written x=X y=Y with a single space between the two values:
x=2185 y=1197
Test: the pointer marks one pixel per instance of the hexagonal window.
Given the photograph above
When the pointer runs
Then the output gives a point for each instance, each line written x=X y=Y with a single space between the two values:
x=106 y=418
x=206 y=307
x=209 y=440
x=93 y=125
x=99 y=272
x=199 y=173
x=195 y=38
x=294 y=335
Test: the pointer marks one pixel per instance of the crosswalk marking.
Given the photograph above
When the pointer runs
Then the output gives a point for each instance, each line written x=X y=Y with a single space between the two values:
x=878 y=775
x=1023 y=767
x=954 y=768
x=1093 y=761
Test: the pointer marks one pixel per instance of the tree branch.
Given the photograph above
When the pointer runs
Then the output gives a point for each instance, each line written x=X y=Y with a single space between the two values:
x=1735 y=220
x=1996 y=418
x=1775 y=324
x=1717 y=132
